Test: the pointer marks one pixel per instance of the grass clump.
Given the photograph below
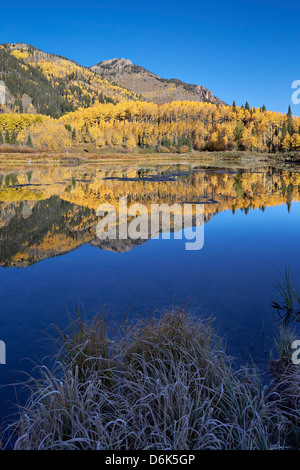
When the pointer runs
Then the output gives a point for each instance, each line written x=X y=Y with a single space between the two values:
x=163 y=382
x=288 y=305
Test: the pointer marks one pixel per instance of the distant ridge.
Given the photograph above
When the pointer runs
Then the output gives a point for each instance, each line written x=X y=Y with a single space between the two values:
x=44 y=83
x=154 y=88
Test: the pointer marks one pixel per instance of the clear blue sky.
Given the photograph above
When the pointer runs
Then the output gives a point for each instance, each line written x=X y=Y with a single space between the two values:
x=242 y=50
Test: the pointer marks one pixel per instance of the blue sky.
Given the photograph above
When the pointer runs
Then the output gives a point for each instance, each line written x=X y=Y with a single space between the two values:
x=242 y=50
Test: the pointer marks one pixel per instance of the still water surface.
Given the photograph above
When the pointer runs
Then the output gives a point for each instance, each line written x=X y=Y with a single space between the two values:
x=51 y=258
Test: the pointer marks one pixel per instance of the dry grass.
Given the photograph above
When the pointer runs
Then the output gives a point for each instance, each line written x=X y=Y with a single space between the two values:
x=164 y=382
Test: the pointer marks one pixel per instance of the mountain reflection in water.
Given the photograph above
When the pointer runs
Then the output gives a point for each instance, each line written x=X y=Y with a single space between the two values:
x=45 y=212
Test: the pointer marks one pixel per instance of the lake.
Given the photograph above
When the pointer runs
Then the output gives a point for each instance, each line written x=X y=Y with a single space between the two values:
x=53 y=262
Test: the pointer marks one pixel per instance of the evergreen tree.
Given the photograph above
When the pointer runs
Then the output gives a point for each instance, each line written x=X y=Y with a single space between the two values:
x=47 y=98
x=188 y=142
x=7 y=137
x=284 y=130
x=238 y=133
x=29 y=141
x=144 y=140
x=13 y=137
x=290 y=127
x=179 y=141
x=234 y=107
x=19 y=105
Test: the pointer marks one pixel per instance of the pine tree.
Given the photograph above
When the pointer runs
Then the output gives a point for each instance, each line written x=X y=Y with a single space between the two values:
x=144 y=140
x=7 y=137
x=179 y=141
x=290 y=126
x=13 y=137
x=234 y=107
x=29 y=141
x=284 y=130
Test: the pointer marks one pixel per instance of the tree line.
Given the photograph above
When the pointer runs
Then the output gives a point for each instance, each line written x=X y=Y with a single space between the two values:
x=171 y=127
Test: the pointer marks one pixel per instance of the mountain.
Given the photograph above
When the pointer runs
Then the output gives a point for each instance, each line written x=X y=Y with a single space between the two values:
x=152 y=87
x=27 y=89
x=40 y=82
x=33 y=231
x=49 y=84
x=46 y=212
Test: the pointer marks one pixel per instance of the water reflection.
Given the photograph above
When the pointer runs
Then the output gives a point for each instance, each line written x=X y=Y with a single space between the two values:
x=45 y=212
x=252 y=224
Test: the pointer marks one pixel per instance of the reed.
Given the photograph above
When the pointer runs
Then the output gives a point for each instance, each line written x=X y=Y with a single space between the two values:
x=163 y=382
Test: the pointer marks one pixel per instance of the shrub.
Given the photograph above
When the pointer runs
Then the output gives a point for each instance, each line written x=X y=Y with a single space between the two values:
x=183 y=149
x=162 y=149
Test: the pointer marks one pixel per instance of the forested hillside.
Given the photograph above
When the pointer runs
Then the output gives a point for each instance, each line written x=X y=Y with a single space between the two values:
x=38 y=82
x=54 y=104
x=29 y=90
x=173 y=127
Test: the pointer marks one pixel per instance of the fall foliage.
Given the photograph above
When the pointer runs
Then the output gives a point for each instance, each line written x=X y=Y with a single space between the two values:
x=172 y=127
x=39 y=220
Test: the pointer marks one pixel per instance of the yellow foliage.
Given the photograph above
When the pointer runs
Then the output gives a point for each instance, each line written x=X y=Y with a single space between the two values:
x=202 y=126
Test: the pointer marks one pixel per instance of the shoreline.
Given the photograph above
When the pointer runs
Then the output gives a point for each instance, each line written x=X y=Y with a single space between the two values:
x=243 y=159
